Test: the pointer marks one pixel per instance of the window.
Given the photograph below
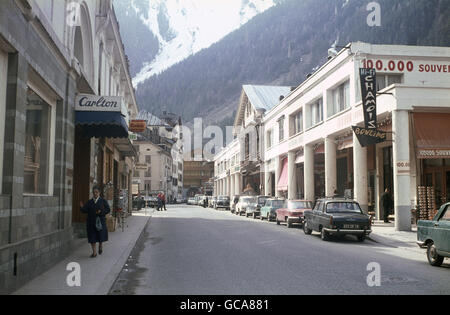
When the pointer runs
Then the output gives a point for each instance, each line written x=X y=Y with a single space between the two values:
x=281 y=129
x=37 y=145
x=298 y=122
x=339 y=99
x=269 y=138
x=315 y=114
x=148 y=173
x=384 y=80
x=446 y=215
x=148 y=185
x=148 y=159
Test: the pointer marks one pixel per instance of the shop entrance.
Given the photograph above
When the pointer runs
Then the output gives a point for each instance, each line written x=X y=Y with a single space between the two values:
x=81 y=172
x=342 y=175
x=437 y=175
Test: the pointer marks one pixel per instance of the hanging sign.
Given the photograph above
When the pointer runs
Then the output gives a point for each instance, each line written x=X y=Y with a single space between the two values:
x=369 y=96
x=138 y=126
x=369 y=135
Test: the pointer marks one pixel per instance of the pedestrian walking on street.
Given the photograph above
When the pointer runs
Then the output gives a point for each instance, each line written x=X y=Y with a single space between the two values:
x=96 y=209
x=163 y=200
x=159 y=207
x=387 y=204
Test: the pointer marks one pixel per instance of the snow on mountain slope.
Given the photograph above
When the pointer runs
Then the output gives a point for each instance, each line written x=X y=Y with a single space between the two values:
x=184 y=27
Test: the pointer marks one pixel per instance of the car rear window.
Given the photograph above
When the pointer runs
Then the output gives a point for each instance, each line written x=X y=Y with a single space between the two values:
x=337 y=207
x=299 y=205
x=278 y=203
x=248 y=199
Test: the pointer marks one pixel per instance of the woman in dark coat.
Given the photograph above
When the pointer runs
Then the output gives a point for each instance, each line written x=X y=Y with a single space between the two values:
x=97 y=233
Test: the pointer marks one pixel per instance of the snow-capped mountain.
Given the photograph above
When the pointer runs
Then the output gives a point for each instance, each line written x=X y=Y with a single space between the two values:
x=184 y=27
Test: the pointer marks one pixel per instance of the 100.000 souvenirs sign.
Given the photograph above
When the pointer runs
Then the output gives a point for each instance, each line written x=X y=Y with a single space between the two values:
x=369 y=135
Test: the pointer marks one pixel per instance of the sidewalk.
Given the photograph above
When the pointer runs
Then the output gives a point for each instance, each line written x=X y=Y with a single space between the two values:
x=97 y=274
x=385 y=234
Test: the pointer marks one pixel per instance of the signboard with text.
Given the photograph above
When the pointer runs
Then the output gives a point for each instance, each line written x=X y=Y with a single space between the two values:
x=138 y=126
x=98 y=103
x=369 y=135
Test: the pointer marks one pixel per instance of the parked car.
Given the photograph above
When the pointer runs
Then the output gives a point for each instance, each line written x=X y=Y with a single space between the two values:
x=199 y=200
x=212 y=201
x=254 y=207
x=243 y=203
x=191 y=201
x=337 y=216
x=204 y=201
x=152 y=202
x=269 y=210
x=138 y=203
x=223 y=202
x=294 y=212
x=434 y=235
x=233 y=203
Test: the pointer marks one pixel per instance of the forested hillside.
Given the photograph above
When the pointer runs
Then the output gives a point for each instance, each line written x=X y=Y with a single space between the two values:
x=281 y=46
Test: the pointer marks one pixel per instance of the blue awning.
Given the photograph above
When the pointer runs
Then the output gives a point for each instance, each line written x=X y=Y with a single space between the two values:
x=102 y=124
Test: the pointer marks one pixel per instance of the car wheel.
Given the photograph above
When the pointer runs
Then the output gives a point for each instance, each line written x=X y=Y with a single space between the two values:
x=324 y=235
x=361 y=238
x=306 y=229
x=433 y=258
x=278 y=221
x=268 y=217
x=254 y=215
x=288 y=223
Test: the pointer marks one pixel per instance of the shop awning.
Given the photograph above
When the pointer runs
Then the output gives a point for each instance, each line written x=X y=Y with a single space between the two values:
x=102 y=124
x=430 y=130
x=283 y=180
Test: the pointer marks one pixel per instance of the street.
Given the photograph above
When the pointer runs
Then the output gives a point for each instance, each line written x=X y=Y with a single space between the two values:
x=190 y=250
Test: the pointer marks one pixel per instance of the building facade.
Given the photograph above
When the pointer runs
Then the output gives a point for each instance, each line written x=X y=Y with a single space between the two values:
x=153 y=170
x=49 y=56
x=239 y=166
x=311 y=151
x=196 y=176
x=320 y=154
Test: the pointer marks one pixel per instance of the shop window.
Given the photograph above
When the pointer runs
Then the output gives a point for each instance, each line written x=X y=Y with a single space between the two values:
x=37 y=145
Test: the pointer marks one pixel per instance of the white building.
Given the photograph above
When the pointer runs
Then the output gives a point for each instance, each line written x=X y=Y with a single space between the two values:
x=319 y=153
x=238 y=166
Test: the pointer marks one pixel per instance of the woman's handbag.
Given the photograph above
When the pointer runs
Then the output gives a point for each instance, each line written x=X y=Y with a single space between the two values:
x=98 y=224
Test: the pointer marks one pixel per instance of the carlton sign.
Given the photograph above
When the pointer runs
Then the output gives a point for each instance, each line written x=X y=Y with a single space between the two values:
x=97 y=103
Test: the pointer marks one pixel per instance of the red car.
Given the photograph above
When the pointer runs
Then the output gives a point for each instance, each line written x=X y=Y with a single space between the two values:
x=294 y=212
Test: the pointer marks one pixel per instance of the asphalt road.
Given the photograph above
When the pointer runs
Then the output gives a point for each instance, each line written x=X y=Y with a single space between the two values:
x=194 y=251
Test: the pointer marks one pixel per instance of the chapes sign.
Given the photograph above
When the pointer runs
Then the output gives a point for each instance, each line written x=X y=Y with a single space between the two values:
x=97 y=103
x=370 y=134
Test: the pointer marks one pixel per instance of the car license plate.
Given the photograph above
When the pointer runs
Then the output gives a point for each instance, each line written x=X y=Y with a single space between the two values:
x=350 y=226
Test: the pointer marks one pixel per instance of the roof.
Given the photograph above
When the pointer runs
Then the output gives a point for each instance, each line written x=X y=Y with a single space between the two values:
x=264 y=96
